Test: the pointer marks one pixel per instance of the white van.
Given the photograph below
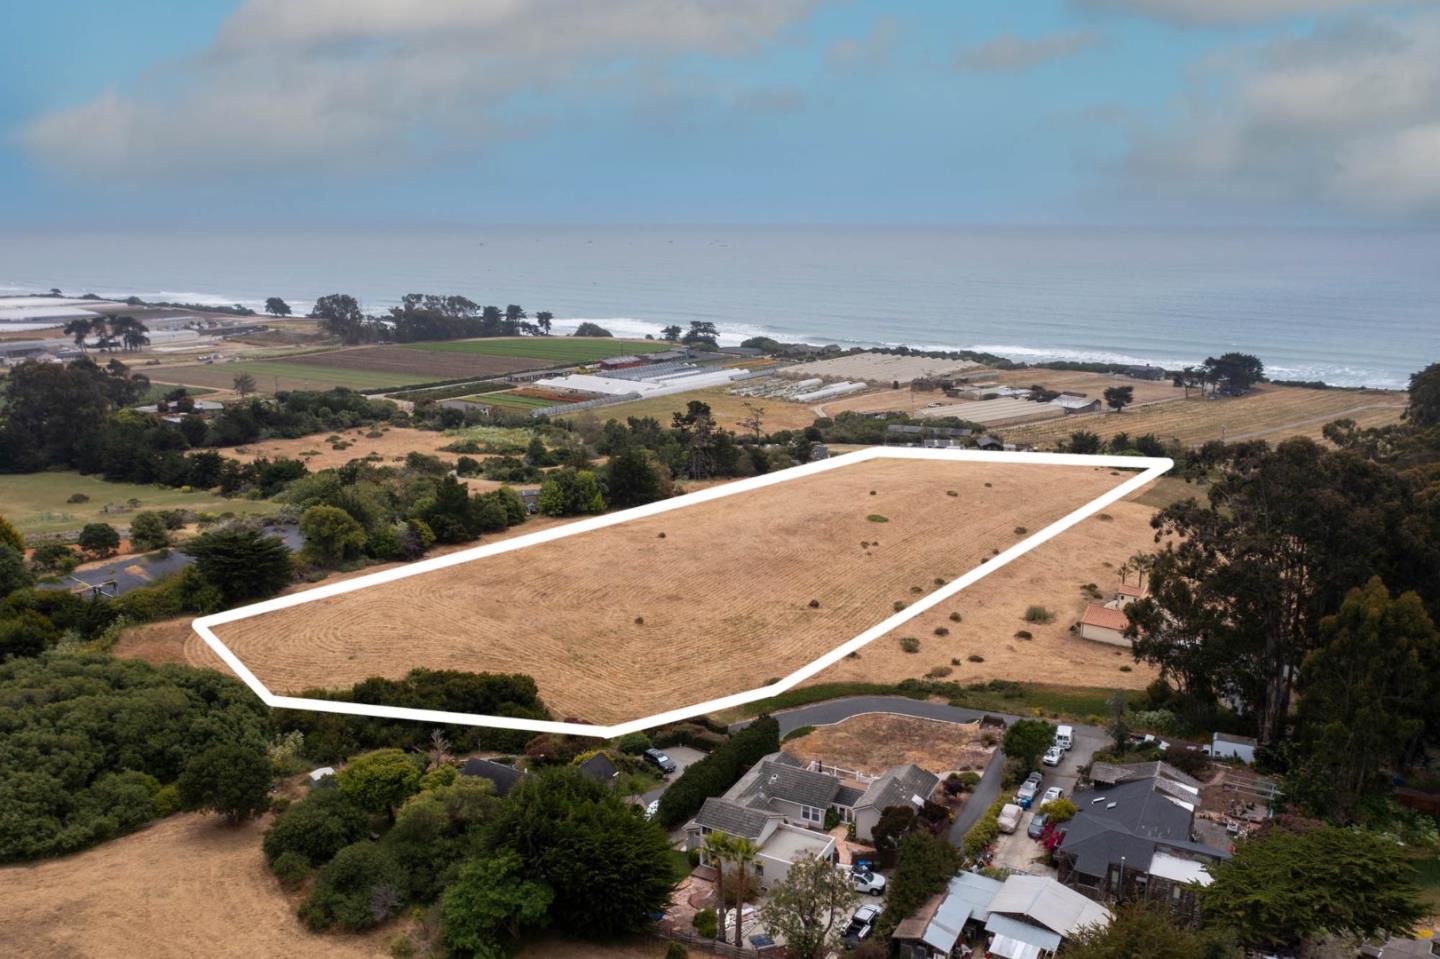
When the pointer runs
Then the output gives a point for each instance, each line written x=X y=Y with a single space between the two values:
x=1064 y=737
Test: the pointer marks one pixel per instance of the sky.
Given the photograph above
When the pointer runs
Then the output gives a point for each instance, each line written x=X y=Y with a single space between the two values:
x=932 y=112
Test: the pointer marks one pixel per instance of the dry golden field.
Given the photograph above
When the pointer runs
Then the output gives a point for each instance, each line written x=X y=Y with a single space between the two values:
x=186 y=886
x=391 y=446
x=727 y=409
x=1269 y=413
x=1093 y=385
x=874 y=742
x=624 y=621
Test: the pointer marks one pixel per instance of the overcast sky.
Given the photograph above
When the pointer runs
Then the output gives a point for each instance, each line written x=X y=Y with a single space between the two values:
x=286 y=112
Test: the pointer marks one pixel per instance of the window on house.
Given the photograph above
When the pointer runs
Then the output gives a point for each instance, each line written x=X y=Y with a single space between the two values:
x=811 y=814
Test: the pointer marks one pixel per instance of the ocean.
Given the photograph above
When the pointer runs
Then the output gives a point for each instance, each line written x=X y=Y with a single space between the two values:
x=1351 y=308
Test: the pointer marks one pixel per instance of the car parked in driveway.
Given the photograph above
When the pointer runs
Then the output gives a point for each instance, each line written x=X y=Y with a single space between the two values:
x=866 y=881
x=660 y=761
x=1009 y=818
x=1037 y=825
x=1053 y=756
x=1025 y=795
x=861 y=925
x=1051 y=794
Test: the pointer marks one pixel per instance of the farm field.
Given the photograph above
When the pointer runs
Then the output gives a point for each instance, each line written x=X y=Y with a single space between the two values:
x=727 y=409
x=993 y=610
x=873 y=742
x=1269 y=413
x=597 y=619
x=418 y=366
x=553 y=350
x=273 y=375
x=391 y=446
x=512 y=401
x=1093 y=385
x=185 y=886
x=36 y=502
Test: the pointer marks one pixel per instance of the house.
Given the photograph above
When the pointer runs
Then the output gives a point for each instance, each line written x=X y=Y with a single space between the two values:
x=1127 y=593
x=1134 y=839
x=503 y=777
x=1024 y=917
x=780 y=786
x=1111 y=774
x=988 y=442
x=1225 y=746
x=819 y=452
x=600 y=768
x=779 y=843
x=1072 y=404
x=1105 y=623
x=620 y=362
x=316 y=777
x=1146 y=372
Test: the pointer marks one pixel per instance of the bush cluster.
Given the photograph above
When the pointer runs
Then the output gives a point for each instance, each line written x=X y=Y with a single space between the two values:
x=718 y=771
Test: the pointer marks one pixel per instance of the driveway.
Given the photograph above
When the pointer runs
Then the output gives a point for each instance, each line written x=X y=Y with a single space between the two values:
x=684 y=757
x=1018 y=851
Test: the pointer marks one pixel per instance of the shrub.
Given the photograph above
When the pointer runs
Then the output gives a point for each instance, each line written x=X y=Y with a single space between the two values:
x=910 y=644
x=814 y=604
x=167 y=800
x=99 y=539
x=633 y=744
x=1023 y=634
x=317 y=827
x=356 y=890
x=1021 y=531
x=148 y=531
x=955 y=617
x=877 y=518
x=718 y=771
x=954 y=660
x=941 y=631
x=975 y=658
x=951 y=492
x=291 y=868
x=916 y=589
x=675 y=951
x=1060 y=810
x=939 y=672
x=706 y=925
x=1124 y=669
x=1038 y=614
x=898 y=605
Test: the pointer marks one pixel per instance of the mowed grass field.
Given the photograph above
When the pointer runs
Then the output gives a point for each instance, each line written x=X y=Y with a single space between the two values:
x=727 y=409
x=1270 y=413
x=558 y=349
x=683 y=607
x=36 y=502
x=278 y=374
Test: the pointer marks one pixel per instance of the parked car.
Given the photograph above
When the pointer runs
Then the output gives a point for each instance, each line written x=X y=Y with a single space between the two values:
x=1025 y=795
x=866 y=881
x=861 y=925
x=1064 y=737
x=1037 y=825
x=652 y=809
x=660 y=761
x=1009 y=818
x=1053 y=756
x=1051 y=794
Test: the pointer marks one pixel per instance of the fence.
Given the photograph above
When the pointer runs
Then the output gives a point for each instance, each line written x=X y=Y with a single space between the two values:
x=586 y=405
x=714 y=946
x=840 y=772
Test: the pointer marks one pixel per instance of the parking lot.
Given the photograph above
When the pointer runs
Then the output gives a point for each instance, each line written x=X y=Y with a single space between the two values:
x=1017 y=851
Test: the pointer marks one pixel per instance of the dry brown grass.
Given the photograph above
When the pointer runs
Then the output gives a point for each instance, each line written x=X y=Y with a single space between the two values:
x=186 y=886
x=993 y=610
x=723 y=596
x=391 y=446
x=727 y=409
x=874 y=742
x=1093 y=385
x=1269 y=413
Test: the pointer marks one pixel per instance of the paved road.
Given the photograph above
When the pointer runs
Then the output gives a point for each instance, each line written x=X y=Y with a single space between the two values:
x=837 y=710
x=133 y=572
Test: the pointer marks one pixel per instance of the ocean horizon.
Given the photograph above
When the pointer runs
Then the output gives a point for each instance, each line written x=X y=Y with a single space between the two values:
x=1351 y=308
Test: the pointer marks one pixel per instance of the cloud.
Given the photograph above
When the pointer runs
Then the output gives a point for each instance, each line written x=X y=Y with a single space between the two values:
x=1016 y=54
x=1228 y=12
x=342 y=84
x=871 y=51
x=1348 y=115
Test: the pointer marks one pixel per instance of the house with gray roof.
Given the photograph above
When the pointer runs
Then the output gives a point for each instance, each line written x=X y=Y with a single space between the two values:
x=503 y=777
x=898 y=786
x=1023 y=917
x=1134 y=839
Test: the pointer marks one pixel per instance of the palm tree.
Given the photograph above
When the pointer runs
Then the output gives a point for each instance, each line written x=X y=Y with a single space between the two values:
x=79 y=329
x=717 y=850
x=742 y=854
x=1142 y=564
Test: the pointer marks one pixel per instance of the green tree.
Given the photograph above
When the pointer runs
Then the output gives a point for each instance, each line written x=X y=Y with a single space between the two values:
x=1143 y=929
x=340 y=316
x=276 y=306
x=380 y=781
x=358 y=889
x=244 y=564
x=491 y=903
x=926 y=863
x=610 y=869
x=543 y=319
x=1233 y=373
x=317 y=827
x=148 y=531
x=331 y=535
x=1084 y=441
x=26 y=633
x=569 y=492
x=244 y=384
x=590 y=329
x=718 y=849
x=13 y=574
x=742 y=857
x=99 y=539
x=1119 y=397
x=1424 y=407
x=10 y=536
x=809 y=906
x=232 y=780
x=1027 y=739
x=633 y=478
x=53 y=557
x=1365 y=695
x=671 y=333
x=1291 y=885
x=701 y=331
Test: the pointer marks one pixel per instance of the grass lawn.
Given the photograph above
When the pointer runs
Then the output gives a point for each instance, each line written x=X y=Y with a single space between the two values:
x=278 y=374
x=561 y=349
x=511 y=401
x=637 y=784
x=35 y=502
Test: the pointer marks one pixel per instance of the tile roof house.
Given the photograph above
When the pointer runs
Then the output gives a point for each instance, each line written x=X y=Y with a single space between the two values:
x=1105 y=623
x=1134 y=839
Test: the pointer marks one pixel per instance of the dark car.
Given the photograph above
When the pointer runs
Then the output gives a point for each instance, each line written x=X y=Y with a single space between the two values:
x=660 y=761
x=861 y=925
x=1037 y=825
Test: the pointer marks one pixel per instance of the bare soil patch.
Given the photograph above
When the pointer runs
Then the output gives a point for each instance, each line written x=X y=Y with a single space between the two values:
x=424 y=364
x=623 y=622
x=727 y=409
x=186 y=886
x=874 y=742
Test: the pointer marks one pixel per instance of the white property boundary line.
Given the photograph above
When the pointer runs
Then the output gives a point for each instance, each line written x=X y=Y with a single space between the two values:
x=1152 y=467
